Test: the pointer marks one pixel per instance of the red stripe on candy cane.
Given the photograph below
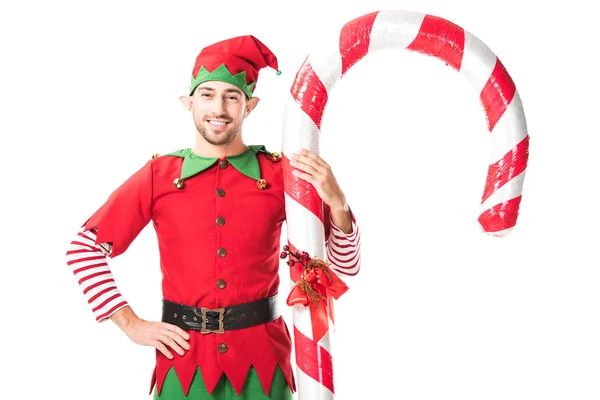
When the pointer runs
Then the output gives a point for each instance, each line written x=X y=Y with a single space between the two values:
x=310 y=93
x=502 y=171
x=313 y=360
x=497 y=94
x=501 y=216
x=355 y=39
x=301 y=191
x=442 y=39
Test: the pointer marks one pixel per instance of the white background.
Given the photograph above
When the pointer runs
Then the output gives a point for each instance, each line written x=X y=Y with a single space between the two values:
x=439 y=311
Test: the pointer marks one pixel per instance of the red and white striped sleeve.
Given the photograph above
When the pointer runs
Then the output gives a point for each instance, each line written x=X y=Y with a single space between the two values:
x=89 y=263
x=343 y=250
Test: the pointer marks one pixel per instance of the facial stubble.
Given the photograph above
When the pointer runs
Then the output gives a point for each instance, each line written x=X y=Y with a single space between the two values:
x=225 y=139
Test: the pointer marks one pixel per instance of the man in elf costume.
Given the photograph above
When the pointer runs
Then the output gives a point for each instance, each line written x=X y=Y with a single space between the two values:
x=218 y=210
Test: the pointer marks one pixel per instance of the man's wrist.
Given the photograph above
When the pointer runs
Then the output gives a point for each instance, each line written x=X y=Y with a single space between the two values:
x=341 y=208
x=123 y=317
x=341 y=217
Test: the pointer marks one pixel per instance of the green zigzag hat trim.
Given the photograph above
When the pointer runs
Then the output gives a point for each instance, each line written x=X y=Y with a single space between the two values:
x=222 y=74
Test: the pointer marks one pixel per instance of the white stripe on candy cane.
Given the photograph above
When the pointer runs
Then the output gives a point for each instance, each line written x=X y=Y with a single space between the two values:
x=308 y=137
x=326 y=61
x=395 y=29
x=510 y=130
x=478 y=62
x=305 y=230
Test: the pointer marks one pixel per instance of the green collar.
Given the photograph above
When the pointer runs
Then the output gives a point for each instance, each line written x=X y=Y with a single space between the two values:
x=246 y=162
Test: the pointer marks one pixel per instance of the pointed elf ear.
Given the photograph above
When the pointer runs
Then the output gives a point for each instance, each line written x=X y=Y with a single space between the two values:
x=250 y=105
x=186 y=101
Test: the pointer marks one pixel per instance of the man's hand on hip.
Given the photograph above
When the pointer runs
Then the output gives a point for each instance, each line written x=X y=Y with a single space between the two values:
x=161 y=335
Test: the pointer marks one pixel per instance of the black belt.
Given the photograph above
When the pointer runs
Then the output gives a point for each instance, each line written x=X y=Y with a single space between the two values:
x=218 y=320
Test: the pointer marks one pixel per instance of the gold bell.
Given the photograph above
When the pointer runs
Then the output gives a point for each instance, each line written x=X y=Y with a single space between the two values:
x=178 y=183
x=274 y=156
x=261 y=184
x=155 y=155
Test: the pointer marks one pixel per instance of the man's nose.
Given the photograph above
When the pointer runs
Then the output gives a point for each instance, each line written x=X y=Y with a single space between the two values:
x=218 y=106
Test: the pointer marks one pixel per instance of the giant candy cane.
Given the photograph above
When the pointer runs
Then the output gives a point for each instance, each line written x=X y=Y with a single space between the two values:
x=320 y=71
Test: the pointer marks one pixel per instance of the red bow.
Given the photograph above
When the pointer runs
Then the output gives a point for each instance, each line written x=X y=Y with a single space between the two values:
x=316 y=288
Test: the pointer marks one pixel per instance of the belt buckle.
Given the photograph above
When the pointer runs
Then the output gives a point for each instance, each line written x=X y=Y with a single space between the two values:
x=203 y=328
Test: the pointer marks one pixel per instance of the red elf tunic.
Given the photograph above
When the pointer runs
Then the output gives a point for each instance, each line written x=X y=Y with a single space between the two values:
x=219 y=238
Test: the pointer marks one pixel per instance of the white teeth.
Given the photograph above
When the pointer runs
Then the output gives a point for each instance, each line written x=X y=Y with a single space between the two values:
x=218 y=123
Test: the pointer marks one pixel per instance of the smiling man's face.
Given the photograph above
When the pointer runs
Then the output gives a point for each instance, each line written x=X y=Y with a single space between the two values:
x=219 y=109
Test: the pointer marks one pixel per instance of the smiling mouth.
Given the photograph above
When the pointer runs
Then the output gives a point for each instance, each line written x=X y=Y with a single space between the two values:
x=217 y=123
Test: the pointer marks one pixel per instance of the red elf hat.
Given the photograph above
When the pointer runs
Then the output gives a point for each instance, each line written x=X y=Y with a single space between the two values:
x=235 y=61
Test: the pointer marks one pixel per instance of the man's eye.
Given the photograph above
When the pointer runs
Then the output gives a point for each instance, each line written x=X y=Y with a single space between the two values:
x=205 y=95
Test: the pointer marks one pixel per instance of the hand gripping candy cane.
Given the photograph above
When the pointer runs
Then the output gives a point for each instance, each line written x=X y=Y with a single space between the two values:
x=320 y=71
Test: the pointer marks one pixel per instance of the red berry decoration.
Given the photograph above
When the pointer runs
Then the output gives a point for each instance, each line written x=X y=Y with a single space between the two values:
x=294 y=258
